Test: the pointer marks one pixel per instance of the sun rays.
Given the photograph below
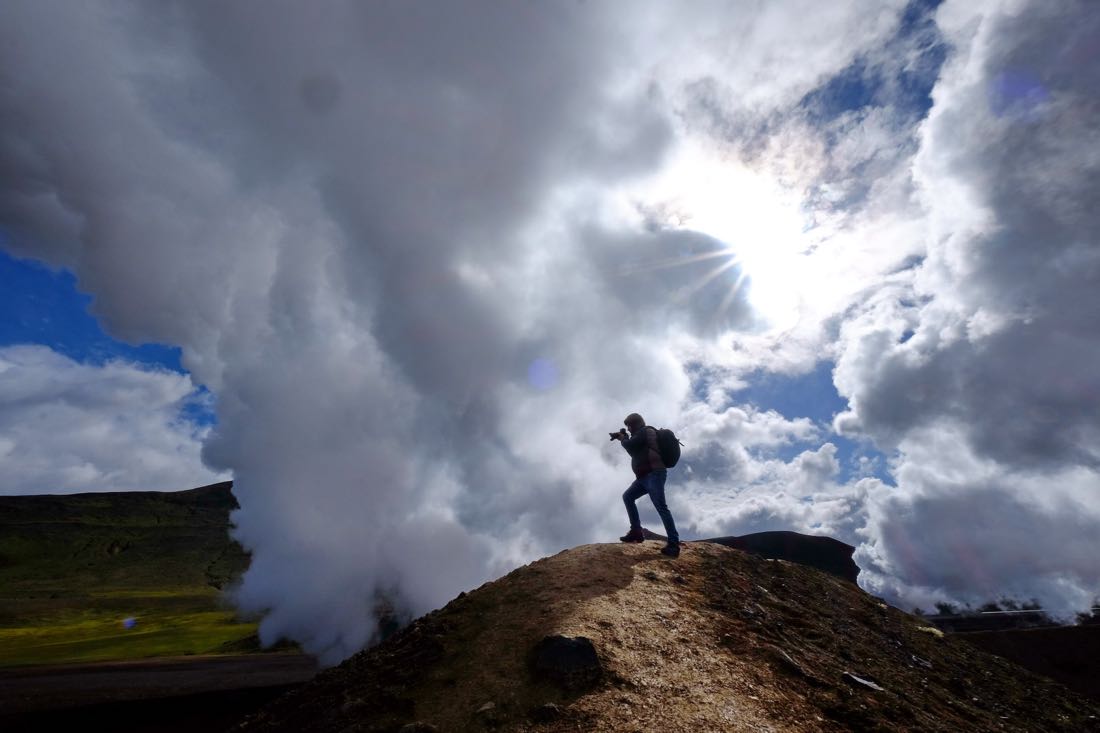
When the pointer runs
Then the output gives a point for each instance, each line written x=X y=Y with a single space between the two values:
x=685 y=292
x=757 y=223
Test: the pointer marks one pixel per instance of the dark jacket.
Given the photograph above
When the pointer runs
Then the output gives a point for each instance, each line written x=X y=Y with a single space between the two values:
x=642 y=447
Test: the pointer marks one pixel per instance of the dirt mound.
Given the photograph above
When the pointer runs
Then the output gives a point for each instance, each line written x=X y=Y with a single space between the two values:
x=718 y=640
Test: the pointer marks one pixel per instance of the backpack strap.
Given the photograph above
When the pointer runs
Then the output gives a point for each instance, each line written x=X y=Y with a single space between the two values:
x=654 y=447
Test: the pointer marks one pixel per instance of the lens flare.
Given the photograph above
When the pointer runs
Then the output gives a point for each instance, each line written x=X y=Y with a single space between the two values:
x=542 y=374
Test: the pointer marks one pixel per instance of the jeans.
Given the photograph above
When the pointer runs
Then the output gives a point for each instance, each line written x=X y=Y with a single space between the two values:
x=653 y=483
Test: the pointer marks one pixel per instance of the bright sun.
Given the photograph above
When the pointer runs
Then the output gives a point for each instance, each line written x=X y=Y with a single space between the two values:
x=760 y=223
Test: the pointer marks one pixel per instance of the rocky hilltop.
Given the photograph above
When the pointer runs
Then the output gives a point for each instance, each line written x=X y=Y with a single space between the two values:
x=615 y=637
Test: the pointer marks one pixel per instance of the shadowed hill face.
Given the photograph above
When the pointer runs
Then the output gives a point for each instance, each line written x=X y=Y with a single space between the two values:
x=1068 y=654
x=76 y=543
x=204 y=505
x=718 y=640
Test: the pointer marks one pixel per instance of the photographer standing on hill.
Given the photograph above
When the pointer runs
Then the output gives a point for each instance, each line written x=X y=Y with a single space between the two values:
x=650 y=474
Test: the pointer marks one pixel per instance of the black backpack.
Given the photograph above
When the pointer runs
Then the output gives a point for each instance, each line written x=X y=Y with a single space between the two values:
x=668 y=445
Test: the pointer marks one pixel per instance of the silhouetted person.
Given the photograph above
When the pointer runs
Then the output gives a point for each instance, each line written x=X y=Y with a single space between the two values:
x=650 y=474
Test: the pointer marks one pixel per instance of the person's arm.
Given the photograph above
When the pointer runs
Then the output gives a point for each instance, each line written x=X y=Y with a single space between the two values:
x=634 y=442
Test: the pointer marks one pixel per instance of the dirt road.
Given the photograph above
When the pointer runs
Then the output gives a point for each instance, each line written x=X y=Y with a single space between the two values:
x=175 y=694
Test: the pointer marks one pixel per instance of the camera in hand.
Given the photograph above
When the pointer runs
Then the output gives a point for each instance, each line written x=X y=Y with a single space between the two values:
x=619 y=435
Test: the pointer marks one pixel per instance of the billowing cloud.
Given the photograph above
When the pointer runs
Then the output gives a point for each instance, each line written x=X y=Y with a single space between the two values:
x=982 y=370
x=67 y=427
x=427 y=256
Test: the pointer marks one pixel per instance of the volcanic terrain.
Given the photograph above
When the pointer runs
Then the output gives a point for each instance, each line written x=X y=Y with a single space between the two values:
x=717 y=640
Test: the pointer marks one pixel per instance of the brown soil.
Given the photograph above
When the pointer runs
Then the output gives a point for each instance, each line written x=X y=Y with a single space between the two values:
x=718 y=640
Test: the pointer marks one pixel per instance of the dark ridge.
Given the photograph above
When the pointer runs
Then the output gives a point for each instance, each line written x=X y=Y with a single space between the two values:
x=211 y=503
x=823 y=553
x=1068 y=654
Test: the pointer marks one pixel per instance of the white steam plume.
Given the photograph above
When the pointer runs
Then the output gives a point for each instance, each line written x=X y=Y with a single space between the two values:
x=394 y=241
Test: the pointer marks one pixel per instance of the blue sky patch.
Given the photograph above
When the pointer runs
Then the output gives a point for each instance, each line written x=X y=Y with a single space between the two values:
x=44 y=306
x=809 y=395
x=907 y=88
x=814 y=396
x=199 y=408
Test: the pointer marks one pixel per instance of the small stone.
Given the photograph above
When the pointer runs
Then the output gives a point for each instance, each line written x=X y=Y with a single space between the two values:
x=487 y=714
x=418 y=727
x=921 y=661
x=353 y=706
x=854 y=680
x=786 y=662
x=546 y=713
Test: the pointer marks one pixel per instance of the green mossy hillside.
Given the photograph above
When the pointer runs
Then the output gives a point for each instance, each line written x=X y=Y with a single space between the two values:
x=74 y=568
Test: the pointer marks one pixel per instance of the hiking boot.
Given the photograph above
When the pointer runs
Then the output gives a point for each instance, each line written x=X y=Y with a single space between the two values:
x=672 y=549
x=634 y=535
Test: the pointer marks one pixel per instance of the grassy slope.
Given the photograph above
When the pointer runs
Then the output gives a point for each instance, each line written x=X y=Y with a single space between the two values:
x=73 y=567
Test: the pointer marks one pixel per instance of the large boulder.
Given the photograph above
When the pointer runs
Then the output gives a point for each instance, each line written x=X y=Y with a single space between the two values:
x=570 y=663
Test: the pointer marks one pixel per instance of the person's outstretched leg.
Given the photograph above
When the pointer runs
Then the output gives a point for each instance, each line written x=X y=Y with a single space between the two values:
x=631 y=495
x=656 y=489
